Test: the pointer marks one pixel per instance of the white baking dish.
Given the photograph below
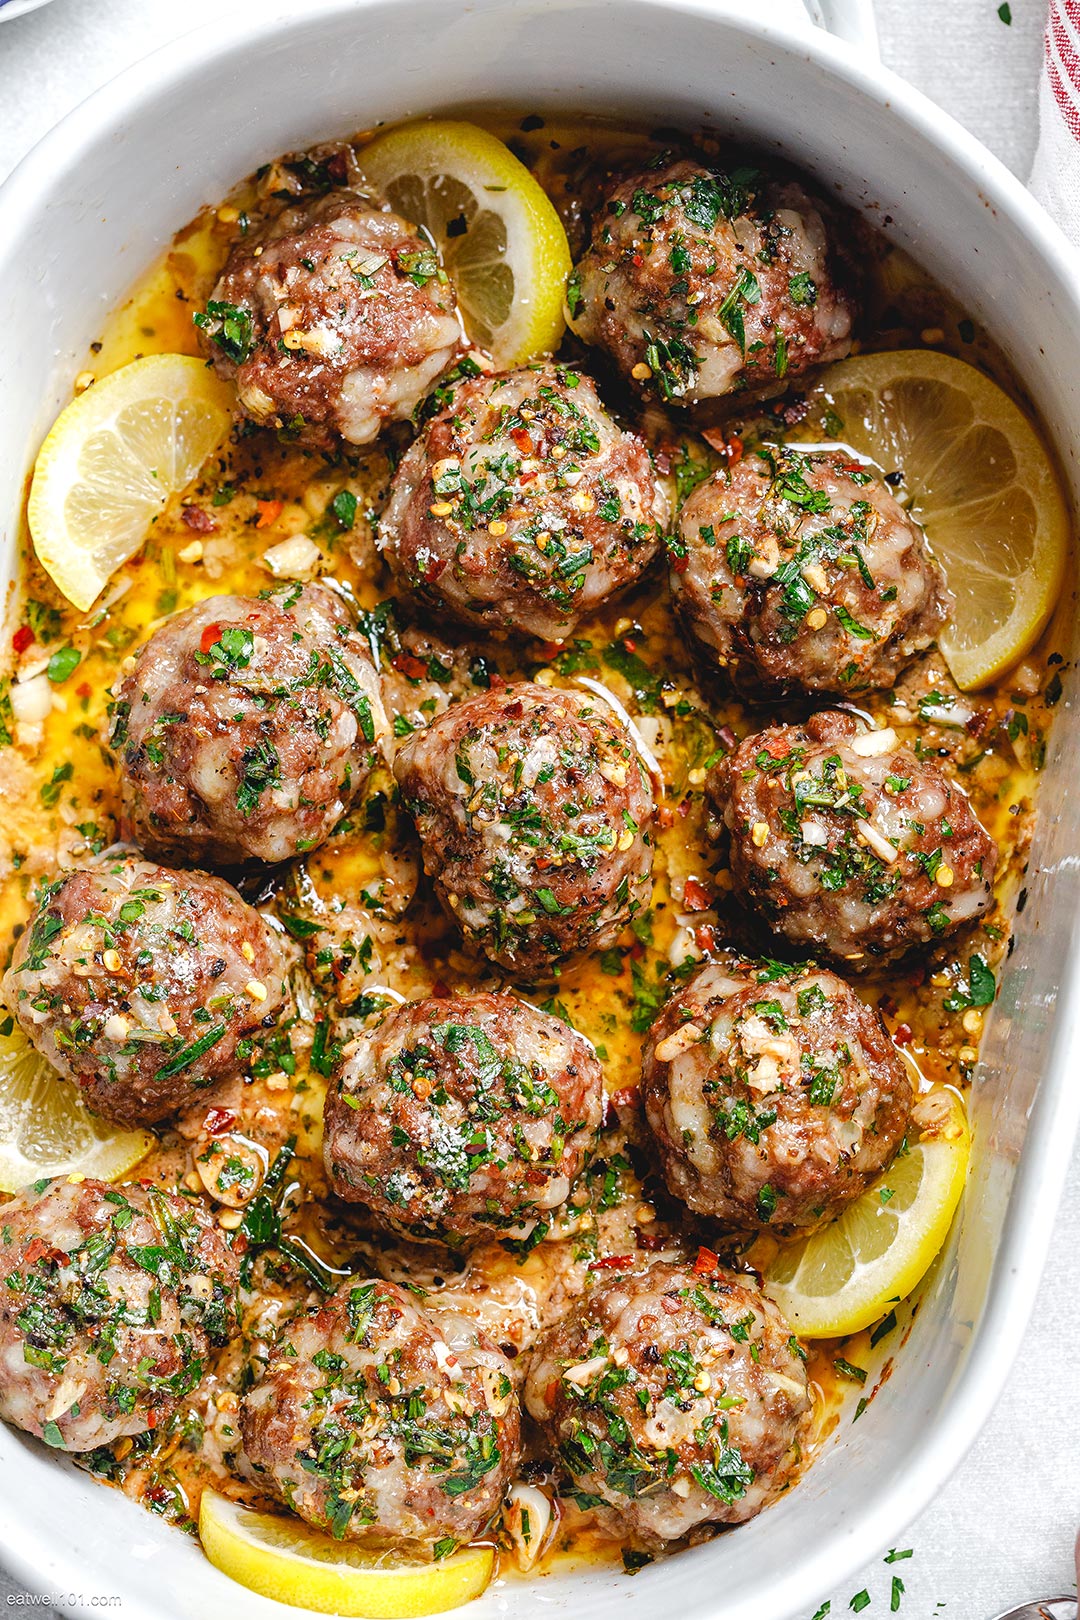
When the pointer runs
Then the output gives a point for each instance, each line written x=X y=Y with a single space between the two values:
x=98 y=200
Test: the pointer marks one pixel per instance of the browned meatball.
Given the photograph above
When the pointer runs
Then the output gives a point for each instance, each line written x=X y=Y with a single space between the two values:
x=334 y=319
x=459 y=1119
x=144 y=985
x=534 y=811
x=803 y=572
x=247 y=727
x=523 y=506
x=699 y=281
x=775 y=1096
x=378 y=1419
x=848 y=845
x=110 y=1298
x=673 y=1397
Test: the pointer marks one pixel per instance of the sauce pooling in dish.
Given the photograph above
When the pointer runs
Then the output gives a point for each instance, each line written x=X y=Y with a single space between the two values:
x=402 y=701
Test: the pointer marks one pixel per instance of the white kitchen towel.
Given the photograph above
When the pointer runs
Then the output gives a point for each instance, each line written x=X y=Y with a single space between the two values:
x=1055 y=176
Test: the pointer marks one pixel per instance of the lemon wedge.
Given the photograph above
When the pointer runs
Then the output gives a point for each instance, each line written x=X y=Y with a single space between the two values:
x=978 y=479
x=283 y=1559
x=112 y=461
x=849 y=1274
x=501 y=241
x=46 y=1128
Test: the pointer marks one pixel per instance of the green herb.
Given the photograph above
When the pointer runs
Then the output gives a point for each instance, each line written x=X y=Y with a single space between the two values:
x=63 y=663
x=802 y=289
x=1005 y=13
x=261 y=769
x=981 y=987
x=855 y=1375
x=860 y=1601
x=229 y=327
x=51 y=790
x=343 y=506
x=632 y=1560
x=894 y=1557
x=189 y=1054
x=897 y=1593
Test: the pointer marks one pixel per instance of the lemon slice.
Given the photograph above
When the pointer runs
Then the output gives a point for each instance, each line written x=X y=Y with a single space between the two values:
x=114 y=457
x=283 y=1559
x=501 y=240
x=980 y=482
x=847 y=1275
x=46 y=1128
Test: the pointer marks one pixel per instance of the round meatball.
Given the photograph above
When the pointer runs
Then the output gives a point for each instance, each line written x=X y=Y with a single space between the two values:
x=333 y=320
x=459 y=1119
x=675 y=1396
x=523 y=506
x=139 y=984
x=698 y=282
x=381 y=1420
x=846 y=844
x=534 y=811
x=247 y=728
x=804 y=573
x=774 y=1098
x=110 y=1299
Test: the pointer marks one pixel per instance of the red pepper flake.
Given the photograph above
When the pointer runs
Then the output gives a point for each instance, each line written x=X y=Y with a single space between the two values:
x=550 y=650
x=84 y=691
x=705 y=938
x=38 y=1249
x=434 y=568
x=523 y=439
x=198 y=519
x=696 y=896
x=405 y=664
x=706 y=1262
x=209 y=638
x=218 y=1121
x=22 y=638
x=613 y=1262
x=730 y=446
x=649 y=1240
x=269 y=512
x=902 y=1035
x=665 y=818
x=630 y=644
x=682 y=808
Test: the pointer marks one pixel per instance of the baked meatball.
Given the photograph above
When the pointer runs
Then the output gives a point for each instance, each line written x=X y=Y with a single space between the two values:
x=846 y=844
x=698 y=281
x=463 y=1118
x=774 y=1098
x=378 y=1419
x=804 y=573
x=110 y=1298
x=141 y=984
x=673 y=1397
x=534 y=811
x=523 y=506
x=333 y=320
x=247 y=727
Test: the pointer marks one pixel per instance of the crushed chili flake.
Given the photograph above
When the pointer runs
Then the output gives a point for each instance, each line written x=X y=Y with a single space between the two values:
x=696 y=896
x=218 y=1120
x=706 y=1262
x=210 y=637
x=22 y=638
x=269 y=512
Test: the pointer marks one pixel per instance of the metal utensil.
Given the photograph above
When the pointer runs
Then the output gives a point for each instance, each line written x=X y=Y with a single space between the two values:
x=1060 y=1608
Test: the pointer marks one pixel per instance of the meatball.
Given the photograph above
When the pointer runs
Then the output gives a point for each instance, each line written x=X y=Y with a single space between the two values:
x=110 y=1298
x=674 y=1397
x=459 y=1119
x=774 y=1096
x=803 y=572
x=141 y=984
x=699 y=282
x=333 y=320
x=846 y=844
x=381 y=1420
x=524 y=506
x=534 y=811
x=247 y=727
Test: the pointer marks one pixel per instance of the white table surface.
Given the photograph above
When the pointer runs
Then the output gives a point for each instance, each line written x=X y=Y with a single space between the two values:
x=1002 y=1530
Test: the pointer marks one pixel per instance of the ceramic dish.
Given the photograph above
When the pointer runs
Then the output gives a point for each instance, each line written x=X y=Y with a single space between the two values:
x=97 y=202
